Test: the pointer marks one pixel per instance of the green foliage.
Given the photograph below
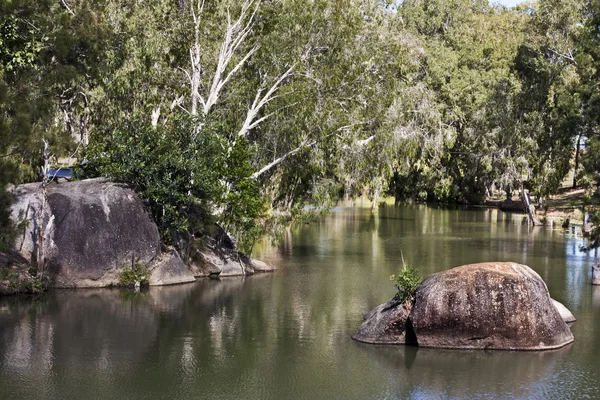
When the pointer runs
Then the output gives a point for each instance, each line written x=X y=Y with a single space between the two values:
x=185 y=173
x=136 y=273
x=407 y=282
x=30 y=282
x=7 y=231
x=175 y=168
x=439 y=100
x=6 y=273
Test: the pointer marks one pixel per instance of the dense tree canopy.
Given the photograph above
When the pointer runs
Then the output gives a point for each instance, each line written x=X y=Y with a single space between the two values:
x=243 y=113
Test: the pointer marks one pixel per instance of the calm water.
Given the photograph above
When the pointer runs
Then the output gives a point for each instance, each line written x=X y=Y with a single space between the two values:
x=287 y=335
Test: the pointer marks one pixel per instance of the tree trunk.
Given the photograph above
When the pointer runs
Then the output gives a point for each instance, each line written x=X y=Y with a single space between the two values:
x=596 y=274
x=576 y=161
x=529 y=208
x=375 y=204
x=84 y=136
x=587 y=224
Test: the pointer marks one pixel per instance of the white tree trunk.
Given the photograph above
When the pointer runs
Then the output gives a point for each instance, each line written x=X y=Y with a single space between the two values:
x=529 y=208
x=281 y=159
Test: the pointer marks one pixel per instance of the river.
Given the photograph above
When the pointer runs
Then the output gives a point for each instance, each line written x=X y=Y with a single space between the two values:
x=287 y=335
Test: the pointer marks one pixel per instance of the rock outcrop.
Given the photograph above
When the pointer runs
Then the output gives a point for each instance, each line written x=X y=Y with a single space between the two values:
x=85 y=231
x=564 y=312
x=218 y=257
x=478 y=306
x=261 y=266
x=168 y=269
x=386 y=324
x=225 y=263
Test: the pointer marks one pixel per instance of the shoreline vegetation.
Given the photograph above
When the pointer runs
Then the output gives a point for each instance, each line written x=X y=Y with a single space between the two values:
x=233 y=117
x=17 y=277
x=567 y=204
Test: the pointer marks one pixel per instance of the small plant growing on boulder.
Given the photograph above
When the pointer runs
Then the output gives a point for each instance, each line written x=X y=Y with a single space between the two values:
x=135 y=275
x=407 y=282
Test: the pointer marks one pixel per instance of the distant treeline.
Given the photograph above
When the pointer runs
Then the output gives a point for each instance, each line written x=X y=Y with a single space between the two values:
x=243 y=113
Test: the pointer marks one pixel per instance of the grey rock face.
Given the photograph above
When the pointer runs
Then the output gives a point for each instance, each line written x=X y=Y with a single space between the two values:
x=229 y=264
x=88 y=230
x=168 y=269
x=487 y=306
x=385 y=324
x=261 y=266
x=217 y=260
x=564 y=312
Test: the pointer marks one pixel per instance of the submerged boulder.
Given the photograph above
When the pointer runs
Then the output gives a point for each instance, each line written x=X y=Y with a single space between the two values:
x=385 y=324
x=564 y=312
x=496 y=305
x=478 y=306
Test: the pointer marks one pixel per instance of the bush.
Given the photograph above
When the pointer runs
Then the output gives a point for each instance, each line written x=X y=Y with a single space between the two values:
x=137 y=272
x=185 y=171
x=407 y=282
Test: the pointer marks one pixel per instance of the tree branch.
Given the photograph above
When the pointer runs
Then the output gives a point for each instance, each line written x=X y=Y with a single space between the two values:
x=259 y=103
x=279 y=160
x=64 y=3
x=235 y=36
x=567 y=56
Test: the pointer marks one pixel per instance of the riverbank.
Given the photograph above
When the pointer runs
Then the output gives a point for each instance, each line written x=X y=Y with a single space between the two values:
x=565 y=205
x=98 y=233
x=20 y=278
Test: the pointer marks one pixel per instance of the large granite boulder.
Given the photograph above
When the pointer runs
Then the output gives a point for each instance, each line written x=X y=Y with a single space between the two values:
x=497 y=305
x=88 y=230
x=477 y=306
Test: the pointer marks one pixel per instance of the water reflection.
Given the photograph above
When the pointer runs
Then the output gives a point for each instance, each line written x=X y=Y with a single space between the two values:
x=287 y=335
x=464 y=374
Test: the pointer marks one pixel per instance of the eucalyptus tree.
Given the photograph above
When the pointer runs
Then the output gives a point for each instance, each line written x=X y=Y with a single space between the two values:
x=348 y=101
x=588 y=88
x=29 y=94
x=551 y=103
x=470 y=49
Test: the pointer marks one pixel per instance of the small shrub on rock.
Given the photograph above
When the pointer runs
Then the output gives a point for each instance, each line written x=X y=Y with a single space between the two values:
x=136 y=273
x=407 y=282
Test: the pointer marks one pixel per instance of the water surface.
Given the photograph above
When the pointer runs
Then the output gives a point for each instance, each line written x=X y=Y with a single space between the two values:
x=287 y=335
